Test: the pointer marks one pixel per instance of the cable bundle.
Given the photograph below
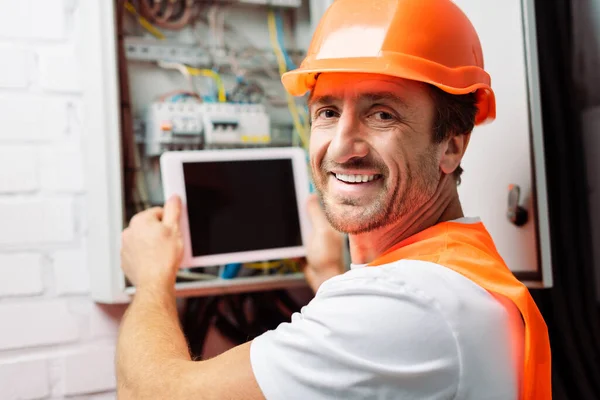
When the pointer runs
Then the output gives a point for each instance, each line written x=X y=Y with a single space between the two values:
x=168 y=14
x=239 y=318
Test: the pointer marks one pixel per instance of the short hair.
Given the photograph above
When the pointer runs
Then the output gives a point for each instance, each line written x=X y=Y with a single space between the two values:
x=454 y=115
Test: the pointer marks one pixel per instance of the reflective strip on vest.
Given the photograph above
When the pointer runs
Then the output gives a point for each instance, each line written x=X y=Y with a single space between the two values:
x=469 y=250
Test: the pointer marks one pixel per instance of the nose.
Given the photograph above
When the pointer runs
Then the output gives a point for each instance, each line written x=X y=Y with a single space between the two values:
x=349 y=140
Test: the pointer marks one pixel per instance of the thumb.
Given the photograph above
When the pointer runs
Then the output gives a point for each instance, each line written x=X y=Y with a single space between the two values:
x=172 y=212
x=315 y=212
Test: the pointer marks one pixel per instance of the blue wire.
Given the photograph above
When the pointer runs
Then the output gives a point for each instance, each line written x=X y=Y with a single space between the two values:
x=231 y=270
x=280 y=35
x=177 y=97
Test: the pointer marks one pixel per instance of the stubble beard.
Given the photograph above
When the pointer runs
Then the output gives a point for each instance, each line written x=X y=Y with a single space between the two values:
x=389 y=207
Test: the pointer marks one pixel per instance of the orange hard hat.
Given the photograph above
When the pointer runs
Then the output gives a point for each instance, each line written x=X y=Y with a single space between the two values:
x=430 y=41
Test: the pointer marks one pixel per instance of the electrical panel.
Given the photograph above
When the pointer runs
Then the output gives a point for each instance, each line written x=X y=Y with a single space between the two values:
x=196 y=75
x=193 y=76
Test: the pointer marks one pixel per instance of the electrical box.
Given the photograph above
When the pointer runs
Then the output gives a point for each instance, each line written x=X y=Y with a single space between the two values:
x=210 y=78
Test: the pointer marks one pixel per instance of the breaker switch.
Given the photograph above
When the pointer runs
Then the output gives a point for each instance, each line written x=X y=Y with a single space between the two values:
x=166 y=126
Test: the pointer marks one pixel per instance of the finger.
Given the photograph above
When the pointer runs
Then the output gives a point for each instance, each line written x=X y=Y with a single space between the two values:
x=146 y=215
x=172 y=212
x=152 y=214
x=316 y=213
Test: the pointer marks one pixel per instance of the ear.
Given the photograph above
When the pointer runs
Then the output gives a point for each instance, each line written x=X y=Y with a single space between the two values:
x=454 y=149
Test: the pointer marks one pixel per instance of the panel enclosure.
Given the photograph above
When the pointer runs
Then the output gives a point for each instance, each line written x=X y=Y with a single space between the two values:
x=506 y=152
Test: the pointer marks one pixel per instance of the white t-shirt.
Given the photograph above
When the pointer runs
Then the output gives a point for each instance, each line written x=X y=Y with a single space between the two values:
x=405 y=330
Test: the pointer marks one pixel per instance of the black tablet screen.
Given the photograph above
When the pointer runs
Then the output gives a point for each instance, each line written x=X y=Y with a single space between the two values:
x=241 y=206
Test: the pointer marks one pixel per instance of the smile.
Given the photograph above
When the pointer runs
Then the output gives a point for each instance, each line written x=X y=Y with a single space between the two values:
x=356 y=178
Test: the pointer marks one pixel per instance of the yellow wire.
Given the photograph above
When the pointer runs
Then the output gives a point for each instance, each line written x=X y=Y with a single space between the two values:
x=222 y=96
x=144 y=22
x=304 y=116
x=282 y=69
x=263 y=265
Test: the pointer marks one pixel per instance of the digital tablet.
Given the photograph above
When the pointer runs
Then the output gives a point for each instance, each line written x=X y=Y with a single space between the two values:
x=241 y=205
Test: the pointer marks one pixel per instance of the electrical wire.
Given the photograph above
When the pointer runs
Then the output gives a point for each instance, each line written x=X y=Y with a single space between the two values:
x=195 y=276
x=305 y=119
x=197 y=318
x=126 y=119
x=220 y=27
x=282 y=266
x=168 y=14
x=144 y=23
x=184 y=97
x=181 y=68
x=221 y=93
x=265 y=265
x=273 y=36
x=280 y=35
x=185 y=70
x=164 y=14
x=175 y=93
x=189 y=72
x=141 y=186
x=246 y=51
x=212 y=26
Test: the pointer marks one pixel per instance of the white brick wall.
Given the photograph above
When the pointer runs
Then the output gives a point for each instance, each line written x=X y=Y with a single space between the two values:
x=70 y=272
x=61 y=169
x=29 y=117
x=18 y=169
x=81 y=378
x=39 y=220
x=55 y=343
x=36 y=323
x=21 y=275
x=24 y=380
x=15 y=67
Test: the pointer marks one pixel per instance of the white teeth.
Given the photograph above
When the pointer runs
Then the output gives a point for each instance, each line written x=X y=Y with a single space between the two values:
x=355 y=178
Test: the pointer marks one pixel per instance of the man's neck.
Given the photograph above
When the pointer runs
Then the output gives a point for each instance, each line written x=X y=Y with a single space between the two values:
x=444 y=206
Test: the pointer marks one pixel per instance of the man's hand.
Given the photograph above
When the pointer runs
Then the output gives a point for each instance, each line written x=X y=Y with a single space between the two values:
x=152 y=246
x=325 y=250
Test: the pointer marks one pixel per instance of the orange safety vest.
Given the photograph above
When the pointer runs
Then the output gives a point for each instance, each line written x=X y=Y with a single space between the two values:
x=469 y=250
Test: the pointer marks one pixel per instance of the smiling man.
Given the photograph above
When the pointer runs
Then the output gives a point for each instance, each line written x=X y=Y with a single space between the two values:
x=428 y=310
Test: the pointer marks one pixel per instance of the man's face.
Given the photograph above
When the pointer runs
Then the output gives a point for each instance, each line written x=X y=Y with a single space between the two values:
x=372 y=154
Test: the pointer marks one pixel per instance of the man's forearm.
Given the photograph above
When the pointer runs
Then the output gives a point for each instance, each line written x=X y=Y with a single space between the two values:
x=151 y=345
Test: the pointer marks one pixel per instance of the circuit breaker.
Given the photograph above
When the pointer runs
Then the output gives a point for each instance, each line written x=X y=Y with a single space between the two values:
x=173 y=126
x=235 y=124
x=194 y=126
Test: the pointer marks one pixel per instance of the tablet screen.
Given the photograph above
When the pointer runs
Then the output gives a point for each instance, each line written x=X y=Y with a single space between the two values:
x=236 y=206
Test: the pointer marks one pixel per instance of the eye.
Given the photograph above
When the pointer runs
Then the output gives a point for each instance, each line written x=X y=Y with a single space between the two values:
x=383 y=116
x=327 y=114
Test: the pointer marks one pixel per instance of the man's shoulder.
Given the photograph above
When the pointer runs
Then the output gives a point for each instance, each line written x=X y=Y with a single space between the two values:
x=480 y=322
x=430 y=280
x=456 y=298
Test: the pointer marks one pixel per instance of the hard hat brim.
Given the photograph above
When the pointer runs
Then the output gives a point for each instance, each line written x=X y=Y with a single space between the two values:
x=298 y=82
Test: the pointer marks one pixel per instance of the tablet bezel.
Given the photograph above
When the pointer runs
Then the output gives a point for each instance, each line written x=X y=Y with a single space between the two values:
x=173 y=183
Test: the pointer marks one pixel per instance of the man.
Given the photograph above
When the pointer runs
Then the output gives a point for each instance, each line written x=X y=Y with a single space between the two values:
x=428 y=310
